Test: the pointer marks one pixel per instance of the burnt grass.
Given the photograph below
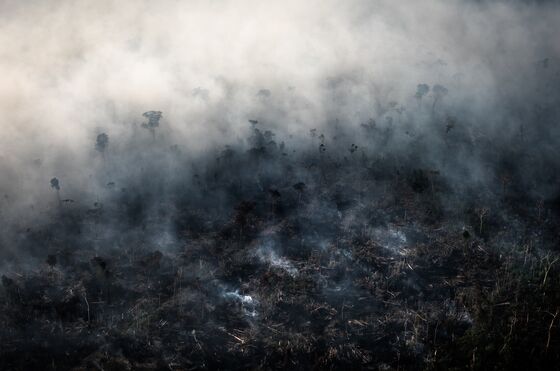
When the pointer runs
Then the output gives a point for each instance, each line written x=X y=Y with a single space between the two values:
x=316 y=259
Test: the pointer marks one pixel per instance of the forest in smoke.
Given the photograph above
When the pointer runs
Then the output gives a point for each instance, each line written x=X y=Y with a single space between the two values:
x=260 y=185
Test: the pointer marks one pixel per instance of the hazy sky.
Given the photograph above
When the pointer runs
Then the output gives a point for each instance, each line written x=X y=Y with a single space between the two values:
x=72 y=69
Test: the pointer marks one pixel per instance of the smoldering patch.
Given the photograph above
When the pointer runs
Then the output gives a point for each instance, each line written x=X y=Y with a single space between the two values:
x=267 y=253
x=247 y=302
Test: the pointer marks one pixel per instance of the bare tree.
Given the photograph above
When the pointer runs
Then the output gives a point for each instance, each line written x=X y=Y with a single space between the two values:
x=482 y=212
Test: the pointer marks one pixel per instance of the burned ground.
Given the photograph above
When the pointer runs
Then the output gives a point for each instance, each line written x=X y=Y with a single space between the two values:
x=248 y=184
x=324 y=254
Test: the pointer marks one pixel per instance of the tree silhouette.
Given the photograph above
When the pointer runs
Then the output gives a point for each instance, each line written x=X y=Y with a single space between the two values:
x=153 y=121
x=439 y=92
x=55 y=184
x=481 y=213
x=102 y=143
x=449 y=123
x=421 y=91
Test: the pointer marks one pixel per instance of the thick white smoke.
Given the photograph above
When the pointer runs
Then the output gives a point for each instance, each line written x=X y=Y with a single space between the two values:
x=73 y=69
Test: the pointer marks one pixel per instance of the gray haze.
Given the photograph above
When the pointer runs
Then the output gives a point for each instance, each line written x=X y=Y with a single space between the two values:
x=74 y=69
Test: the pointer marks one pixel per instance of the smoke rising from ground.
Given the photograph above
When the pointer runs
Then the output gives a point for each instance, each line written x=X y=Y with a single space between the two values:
x=306 y=184
x=74 y=70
